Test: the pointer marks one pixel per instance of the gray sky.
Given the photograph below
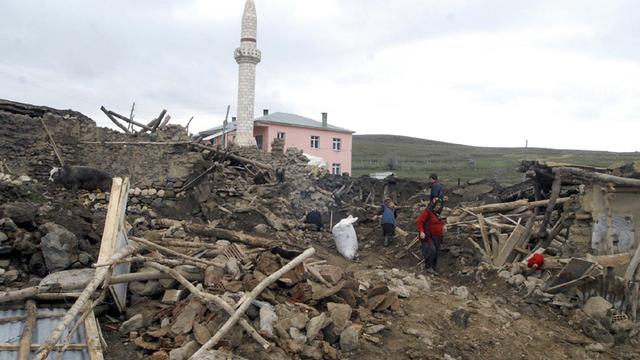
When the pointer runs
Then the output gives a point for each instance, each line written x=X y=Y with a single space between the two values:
x=562 y=74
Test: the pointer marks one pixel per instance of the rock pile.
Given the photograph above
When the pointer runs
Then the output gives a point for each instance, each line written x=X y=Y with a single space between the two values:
x=315 y=311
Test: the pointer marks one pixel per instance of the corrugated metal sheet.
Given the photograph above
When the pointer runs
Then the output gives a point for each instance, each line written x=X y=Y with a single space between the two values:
x=11 y=332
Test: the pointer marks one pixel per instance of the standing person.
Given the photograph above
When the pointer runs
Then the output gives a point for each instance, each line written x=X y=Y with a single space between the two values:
x=388 y=221
x=431 y=230
x=437 y=190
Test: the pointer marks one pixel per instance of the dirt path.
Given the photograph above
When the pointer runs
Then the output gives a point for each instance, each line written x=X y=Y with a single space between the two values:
x=493 y=322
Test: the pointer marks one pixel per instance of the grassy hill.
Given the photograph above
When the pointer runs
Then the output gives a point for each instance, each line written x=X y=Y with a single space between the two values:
x=416 y=158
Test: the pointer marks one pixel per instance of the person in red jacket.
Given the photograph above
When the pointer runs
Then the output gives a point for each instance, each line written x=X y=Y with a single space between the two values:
x=431 y=230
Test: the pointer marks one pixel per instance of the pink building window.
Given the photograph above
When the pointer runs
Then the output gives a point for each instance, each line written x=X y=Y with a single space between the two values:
x=337 y=144
x=315 y=142
x=335 y=169
x=281 y=135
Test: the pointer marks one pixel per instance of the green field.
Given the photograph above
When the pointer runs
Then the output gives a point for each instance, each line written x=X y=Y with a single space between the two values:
x=416 y=158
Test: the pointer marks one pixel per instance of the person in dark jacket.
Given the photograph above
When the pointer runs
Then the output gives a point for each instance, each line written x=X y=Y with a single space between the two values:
x=437 y=190
x=431 y=231
x=388 y=221
x=314 y=217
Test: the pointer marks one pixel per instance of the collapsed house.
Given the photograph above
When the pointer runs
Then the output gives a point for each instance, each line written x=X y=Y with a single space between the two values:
x=580 y=220
x=201 y=252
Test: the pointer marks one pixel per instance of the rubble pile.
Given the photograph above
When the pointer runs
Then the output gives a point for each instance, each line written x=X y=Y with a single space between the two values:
x=536 y=245
x=220 y=257
x=316 y=310
x=249 y=196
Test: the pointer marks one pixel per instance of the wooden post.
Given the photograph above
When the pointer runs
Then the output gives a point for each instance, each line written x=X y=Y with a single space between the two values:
x=158 y=120
x=53 y=143
x=634 y=297
x=92 y=333
x=555 y=193
x=27 y=331
x=485 y=234
x=188 y=123
x=132 y=114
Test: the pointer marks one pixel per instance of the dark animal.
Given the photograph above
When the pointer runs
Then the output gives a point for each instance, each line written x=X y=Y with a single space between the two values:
x=81 y=177
x=280 y=175
x=261 y=178
x=284 y=253
x=314 y=217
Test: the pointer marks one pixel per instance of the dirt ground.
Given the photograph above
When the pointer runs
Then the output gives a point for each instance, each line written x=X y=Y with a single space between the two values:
x=493 y=322
x=501 y=324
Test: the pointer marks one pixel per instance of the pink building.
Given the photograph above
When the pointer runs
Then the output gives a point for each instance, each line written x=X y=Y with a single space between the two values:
x=315 y=138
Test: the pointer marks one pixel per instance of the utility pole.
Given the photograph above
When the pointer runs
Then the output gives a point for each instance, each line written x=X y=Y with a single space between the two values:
x=224 y=128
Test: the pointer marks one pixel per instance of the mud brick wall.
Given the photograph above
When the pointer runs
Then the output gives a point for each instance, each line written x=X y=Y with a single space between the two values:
x=25 y=147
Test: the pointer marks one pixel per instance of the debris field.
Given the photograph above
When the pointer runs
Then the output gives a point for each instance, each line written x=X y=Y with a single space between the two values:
x=199 y=252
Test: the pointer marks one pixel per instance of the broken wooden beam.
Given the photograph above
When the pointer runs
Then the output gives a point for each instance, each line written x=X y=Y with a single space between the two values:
x=247 y=300
x=53 y=143
x=555 y=193
x=484 y=233
x=517 y=237
x=235 y=157
x=251 y=240
x=501 y=207
x=124 y=118
x=594 y=176
x=205 y=297
x=79 y=305
x=122 y=127
x=24 y=353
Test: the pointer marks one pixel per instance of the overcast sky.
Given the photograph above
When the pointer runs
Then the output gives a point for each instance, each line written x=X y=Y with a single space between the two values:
x=562 y=74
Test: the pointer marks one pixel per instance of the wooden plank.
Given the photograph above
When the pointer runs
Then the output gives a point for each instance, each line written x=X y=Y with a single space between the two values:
x=634 y=304
x=24 y=317
x=614 y=260
x=34 y=347
x=514 y=239
x=92 y=332
x=114 y=237
x=485 y=234
x=24 y=353
x=495 y=246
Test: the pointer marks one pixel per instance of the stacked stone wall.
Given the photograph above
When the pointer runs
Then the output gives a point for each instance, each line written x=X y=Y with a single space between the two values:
x=25 y=147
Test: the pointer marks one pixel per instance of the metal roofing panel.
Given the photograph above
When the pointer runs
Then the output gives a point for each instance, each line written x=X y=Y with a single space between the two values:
x=12 y=331
x=297 y=120
x=280 y=118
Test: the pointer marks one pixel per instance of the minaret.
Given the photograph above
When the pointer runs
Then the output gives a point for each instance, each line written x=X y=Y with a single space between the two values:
x=247 y=56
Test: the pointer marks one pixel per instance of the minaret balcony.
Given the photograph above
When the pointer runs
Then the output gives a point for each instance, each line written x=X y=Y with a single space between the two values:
x=247 y=55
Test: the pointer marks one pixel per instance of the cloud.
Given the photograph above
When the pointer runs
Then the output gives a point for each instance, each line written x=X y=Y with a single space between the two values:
x=488 y=72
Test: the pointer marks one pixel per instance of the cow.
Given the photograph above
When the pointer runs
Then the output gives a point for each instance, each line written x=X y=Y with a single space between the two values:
x=81 y=177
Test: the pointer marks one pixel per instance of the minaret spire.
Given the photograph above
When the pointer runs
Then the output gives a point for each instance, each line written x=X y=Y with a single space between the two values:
x=247 y=56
